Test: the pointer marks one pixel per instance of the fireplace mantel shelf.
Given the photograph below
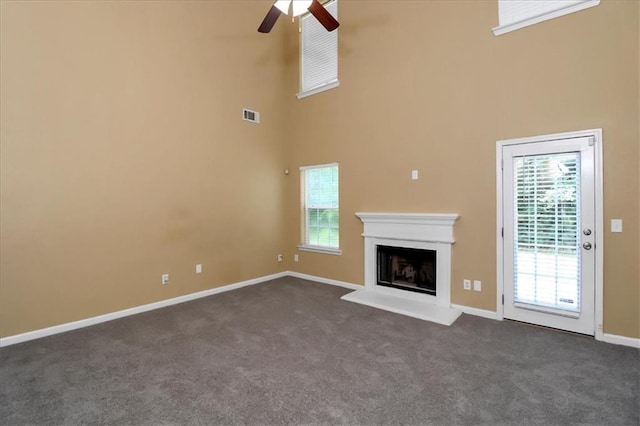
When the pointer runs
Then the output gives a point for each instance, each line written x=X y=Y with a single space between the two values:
x=426 y=231
x=419 y=218
x=431 y=227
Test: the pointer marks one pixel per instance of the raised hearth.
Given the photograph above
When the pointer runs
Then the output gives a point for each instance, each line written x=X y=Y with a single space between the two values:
x=416 y=232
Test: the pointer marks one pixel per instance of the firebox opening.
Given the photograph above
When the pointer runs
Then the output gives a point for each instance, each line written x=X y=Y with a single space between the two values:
x=407 y=269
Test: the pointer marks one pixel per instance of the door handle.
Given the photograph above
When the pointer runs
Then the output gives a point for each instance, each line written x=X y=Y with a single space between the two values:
x=586 y=231
x=586 y=246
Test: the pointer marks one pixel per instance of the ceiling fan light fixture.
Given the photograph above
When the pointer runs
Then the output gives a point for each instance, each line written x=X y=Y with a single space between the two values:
x=283 y=5
x=300 y=7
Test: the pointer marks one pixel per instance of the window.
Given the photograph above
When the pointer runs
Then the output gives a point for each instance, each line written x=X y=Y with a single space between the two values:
x=320 y=218
x=318 y=54
x=516 y=14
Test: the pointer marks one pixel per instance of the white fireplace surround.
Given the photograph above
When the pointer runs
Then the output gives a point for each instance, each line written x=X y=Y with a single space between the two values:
x=408 y=230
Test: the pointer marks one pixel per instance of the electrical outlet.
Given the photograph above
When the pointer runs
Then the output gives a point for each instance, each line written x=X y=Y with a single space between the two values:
x=165 y=279
x=477 y=285
x=295 y=258
x=467 y=284
x=279 y=258
x=199 y=268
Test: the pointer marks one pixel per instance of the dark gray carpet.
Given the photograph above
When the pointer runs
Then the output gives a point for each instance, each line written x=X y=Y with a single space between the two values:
x=291 y=352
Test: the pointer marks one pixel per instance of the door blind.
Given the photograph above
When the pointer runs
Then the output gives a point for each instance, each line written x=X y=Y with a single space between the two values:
x=546 y=247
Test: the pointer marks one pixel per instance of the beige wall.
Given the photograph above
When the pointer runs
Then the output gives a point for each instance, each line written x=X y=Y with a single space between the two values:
x=124 y=155
x=426 y=85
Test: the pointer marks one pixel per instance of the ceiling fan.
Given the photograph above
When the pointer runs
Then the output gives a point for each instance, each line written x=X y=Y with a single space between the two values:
x=298 y=7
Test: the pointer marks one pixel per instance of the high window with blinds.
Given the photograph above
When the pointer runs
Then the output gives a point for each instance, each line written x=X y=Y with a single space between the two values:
x=516 y=14
x=318 y=54
x=547 y=235
x=320 y=204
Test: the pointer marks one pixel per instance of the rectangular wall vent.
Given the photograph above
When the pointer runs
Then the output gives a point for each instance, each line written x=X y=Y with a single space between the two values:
x=249 y=115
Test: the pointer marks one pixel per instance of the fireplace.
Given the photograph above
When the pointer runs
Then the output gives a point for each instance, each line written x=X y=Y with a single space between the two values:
x=407 y=265
x=407 y=269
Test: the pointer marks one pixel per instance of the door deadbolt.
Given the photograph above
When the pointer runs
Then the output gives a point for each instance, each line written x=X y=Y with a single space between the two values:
x=586 y=231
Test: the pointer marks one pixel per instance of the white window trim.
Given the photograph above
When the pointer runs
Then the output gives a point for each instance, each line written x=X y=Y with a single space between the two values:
x=331 y=85
x=316 y=248
x=320 y=249
x=319 y=166
x=502 y=29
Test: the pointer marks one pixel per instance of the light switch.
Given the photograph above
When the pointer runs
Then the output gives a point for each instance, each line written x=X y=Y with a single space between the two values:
x=414 y=174
x=616 y=225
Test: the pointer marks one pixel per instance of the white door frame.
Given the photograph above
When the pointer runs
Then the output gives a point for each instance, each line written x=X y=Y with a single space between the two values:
x=599 y=222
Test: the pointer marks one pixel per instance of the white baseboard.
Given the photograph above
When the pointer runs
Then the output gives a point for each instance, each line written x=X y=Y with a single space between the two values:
x=57 y=329
x=608 y=338
x=621 y=340
x=325 y=280
x=477 y=312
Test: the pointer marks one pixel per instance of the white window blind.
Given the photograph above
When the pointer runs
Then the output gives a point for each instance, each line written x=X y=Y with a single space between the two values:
x=319 y=54
x=516 y=14
x=321 y=207
x=547 y=235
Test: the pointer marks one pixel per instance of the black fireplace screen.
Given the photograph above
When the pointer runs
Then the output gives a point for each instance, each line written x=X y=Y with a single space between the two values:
x=407 y=269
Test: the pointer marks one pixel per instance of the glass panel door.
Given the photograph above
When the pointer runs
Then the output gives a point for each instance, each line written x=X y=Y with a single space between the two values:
x=548 y=244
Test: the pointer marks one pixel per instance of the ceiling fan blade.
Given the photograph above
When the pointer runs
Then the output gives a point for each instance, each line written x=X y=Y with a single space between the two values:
x=323 y=16
x=269 y=20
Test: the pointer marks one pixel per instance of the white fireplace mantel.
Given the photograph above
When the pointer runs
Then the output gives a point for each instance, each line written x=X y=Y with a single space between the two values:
x=409 y=226
x=411 y=230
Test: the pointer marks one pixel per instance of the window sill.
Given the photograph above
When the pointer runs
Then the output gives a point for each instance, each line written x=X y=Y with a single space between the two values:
x=320 y=249
x=502 y=29
x=318 y=89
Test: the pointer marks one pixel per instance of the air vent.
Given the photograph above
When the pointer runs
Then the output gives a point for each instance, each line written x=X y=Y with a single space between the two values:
x=249 y=115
